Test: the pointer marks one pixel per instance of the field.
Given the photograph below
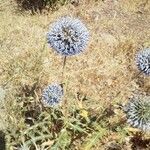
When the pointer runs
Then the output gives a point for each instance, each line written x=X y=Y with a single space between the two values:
x=97 y=83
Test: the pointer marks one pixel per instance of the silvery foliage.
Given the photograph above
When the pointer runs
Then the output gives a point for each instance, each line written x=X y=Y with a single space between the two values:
x=68 y=36
x=143 y=61
x=52 y=95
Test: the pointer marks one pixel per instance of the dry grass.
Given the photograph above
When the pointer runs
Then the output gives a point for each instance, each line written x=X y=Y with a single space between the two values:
x=118 y=29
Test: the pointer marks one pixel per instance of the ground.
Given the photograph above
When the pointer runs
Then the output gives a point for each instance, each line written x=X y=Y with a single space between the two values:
x=104 y=75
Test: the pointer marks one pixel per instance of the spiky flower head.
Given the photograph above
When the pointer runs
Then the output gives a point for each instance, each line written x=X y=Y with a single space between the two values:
x=52 y=95
x=143 y=61
x=68 y=36
x=138 y=112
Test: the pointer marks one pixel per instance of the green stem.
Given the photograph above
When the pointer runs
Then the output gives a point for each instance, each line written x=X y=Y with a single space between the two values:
x=63 y=69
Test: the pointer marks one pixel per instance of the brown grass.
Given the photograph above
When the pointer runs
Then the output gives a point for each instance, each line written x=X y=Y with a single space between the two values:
x=118 y=29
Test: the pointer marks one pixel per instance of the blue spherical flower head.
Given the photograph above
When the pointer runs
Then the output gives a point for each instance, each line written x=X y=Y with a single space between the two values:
x=143 y=61
x=68 y=36
x=138 y=113
x=52 y=95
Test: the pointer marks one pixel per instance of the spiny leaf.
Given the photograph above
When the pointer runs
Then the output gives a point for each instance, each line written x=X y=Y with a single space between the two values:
x=93 y=139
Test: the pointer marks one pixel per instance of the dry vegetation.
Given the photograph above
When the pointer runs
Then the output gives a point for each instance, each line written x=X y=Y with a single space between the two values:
x=95 y=81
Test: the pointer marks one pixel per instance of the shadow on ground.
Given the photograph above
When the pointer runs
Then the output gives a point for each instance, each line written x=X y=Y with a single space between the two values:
x=2 y=141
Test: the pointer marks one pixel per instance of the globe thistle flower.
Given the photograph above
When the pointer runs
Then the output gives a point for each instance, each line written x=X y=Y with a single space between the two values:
x=138 y=112
x=143 y=61
x=52 y=95
x=68 y=36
